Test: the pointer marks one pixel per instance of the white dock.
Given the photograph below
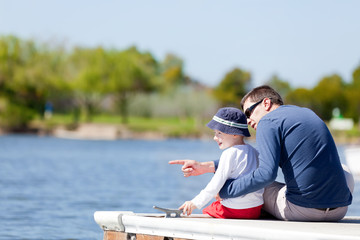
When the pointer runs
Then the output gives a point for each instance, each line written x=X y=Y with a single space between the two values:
x=119 y=225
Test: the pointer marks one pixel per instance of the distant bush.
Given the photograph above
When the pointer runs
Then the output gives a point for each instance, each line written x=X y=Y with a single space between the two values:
x=182 y=103
x=16 y=117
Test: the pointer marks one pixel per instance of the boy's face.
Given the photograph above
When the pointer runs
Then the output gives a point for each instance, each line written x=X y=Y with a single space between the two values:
x=225 y=140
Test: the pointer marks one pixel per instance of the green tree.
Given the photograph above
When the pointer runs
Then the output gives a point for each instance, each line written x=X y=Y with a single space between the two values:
x=281 y=86
x=300 y=97
x=329 y=94
x=172 y=72
x=233 y=87
x=130 y=72
x=27 y=79
x=352 y=94
x=89 y=72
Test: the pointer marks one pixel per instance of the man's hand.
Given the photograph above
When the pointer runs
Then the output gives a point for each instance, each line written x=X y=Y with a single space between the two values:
x=194 y=168
x=187 y=207
x=218 y=198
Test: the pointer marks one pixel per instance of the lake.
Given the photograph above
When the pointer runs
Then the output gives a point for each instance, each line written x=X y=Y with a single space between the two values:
x=51 y=187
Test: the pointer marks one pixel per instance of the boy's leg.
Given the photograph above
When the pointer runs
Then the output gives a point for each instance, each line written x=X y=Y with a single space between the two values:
x=217 y=210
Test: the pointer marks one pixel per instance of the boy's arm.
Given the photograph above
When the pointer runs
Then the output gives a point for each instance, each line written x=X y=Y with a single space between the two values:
x=217 y=181
x=194 y=168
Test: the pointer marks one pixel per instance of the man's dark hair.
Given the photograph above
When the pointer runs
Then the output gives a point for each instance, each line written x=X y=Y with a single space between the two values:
x=261 y=92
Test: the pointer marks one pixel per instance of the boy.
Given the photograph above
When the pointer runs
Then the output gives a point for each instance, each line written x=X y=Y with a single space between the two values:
x=238 y=159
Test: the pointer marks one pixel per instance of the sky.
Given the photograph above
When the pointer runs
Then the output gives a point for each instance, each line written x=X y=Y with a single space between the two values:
x=299 y=41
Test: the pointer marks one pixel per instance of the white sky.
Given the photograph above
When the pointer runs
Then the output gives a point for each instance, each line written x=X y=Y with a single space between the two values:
x=300 y=41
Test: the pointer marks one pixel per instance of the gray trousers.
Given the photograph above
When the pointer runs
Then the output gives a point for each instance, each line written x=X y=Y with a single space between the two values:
x=276 y=204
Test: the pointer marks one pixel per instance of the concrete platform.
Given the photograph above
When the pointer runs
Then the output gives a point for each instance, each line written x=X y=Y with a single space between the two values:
x=128 y=225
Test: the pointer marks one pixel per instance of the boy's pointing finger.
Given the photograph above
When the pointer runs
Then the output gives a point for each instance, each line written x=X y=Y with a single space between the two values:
x=182 y=162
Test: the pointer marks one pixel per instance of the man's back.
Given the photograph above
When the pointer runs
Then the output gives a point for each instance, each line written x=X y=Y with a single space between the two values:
x=300 y=143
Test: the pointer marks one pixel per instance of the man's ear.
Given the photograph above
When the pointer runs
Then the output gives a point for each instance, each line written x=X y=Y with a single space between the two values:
x=267 y=104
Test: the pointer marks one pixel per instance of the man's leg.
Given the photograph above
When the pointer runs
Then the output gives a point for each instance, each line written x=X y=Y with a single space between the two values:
x=276 y=204
x=271 y=193
x=349 y=178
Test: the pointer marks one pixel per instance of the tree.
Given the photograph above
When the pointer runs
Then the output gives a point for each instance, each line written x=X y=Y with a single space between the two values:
x=329 y=94
x=172 y=72
x=353 y=97
x=282 y=87
x=89 y=72
x=27 y=79
x=233 y=87
x=129 y=72
x=301 y=97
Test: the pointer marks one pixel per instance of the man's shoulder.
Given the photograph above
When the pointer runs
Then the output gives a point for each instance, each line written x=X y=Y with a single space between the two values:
x=286 y=112
x=289 y=109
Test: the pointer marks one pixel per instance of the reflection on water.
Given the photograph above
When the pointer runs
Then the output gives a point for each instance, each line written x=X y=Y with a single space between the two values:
x=51 y=187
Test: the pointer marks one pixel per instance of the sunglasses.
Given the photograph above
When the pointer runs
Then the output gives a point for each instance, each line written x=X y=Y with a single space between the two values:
x=250 y=109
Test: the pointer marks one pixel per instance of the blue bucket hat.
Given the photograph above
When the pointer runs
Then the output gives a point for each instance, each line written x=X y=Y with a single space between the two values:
x=231 y=121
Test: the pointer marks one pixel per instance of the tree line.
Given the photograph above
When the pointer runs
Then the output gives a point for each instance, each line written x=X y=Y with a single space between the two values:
x=88 y=81
x=331 y=92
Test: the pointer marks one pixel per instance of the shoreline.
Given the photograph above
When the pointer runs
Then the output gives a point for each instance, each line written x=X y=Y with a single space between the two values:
x=98 y=131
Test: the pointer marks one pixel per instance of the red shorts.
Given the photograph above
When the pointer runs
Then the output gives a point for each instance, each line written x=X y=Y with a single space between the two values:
x=217 y=210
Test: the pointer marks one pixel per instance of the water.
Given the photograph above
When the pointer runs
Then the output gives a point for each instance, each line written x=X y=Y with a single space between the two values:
x=50 y=188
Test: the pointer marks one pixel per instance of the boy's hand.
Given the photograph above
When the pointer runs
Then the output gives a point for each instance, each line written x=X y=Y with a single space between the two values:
x=194 y=168
x=187 y=207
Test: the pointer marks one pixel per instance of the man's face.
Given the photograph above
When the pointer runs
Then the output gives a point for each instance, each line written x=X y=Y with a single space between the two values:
x=256 y=113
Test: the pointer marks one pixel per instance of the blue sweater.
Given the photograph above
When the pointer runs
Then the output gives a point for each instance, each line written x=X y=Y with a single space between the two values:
x=298 y=141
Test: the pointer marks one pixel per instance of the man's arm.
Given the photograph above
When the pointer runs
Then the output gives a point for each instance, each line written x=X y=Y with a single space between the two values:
x=246 y=184
x=216 y=163
x=268 y=143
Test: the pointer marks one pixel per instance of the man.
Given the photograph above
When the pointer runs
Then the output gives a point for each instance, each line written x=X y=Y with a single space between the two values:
x=298 y=141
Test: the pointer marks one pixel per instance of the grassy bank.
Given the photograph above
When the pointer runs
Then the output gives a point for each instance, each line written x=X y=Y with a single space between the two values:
x=168 y=127
x=347 y=136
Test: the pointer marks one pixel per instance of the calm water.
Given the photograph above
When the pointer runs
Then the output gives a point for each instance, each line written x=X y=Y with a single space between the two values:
x=50 y=188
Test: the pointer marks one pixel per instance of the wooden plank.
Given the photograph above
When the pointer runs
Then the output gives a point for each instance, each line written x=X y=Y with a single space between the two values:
x=113 y=235
x=152 y=237
x=148 y=237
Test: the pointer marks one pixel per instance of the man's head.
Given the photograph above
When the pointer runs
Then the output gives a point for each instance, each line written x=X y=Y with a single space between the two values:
x=258 y=102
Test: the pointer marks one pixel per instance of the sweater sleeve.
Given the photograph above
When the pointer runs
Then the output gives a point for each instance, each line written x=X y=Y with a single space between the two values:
x=268 y=142
x=216 y=163
x=221 y=175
